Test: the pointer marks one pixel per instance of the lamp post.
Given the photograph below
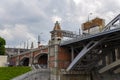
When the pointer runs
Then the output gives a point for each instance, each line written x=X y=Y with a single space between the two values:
x=89 y=16
x=39 y=39
x=28 y=43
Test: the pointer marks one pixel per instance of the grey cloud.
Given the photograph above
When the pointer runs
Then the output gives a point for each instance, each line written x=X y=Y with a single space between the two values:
x=36 y=14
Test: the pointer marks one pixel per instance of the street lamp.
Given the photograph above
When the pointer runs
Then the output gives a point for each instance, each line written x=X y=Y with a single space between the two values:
x=89 y=16
x=39 y=39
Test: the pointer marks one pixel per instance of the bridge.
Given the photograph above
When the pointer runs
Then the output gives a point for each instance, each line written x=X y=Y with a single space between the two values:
x=30 y=57
x=97 y=53
x=84 y=57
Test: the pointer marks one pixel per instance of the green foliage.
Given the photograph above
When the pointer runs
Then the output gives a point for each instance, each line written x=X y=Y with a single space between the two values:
x=7 y=73
x=2 y=46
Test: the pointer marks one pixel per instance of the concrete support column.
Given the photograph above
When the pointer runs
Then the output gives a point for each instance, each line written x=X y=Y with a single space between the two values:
x=56 y=62
x=18 y=61
x=107 y=60
x=48 y=62
x=111 y=57
x=56 y=55
x=104 y=61
x=72 y=54
x=31 y=58
x=116 y=53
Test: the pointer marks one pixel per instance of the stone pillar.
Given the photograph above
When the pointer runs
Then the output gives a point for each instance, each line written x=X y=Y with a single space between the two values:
x=48 y=62
x=17 y=61
x=56 y=60
x=56 y=55
x=31 y=58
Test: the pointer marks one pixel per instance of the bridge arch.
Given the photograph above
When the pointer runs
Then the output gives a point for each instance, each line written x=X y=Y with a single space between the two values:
x=41 y=59
x=24 y=61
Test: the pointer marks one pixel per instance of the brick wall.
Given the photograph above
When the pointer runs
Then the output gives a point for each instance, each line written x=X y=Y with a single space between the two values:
x=64 y=58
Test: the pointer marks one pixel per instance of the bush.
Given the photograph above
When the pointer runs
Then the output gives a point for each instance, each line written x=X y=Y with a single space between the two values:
x=2 y=46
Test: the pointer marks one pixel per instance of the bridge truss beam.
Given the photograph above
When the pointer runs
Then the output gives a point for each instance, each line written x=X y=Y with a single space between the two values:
x=84 y=51
x=113 y=24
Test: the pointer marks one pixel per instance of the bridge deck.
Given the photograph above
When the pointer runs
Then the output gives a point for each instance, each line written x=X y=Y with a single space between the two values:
x=89 y=37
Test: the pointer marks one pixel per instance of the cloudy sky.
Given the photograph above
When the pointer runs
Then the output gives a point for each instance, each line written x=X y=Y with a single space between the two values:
x=23 y=20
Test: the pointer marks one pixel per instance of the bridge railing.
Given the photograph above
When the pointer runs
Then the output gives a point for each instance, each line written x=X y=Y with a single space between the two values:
x=74 y=39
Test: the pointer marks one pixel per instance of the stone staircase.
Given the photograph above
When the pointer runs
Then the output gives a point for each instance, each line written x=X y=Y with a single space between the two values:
x=37 y=74
x=37 y=66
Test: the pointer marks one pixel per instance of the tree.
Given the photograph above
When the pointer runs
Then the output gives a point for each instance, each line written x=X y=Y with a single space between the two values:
x=2 y=46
